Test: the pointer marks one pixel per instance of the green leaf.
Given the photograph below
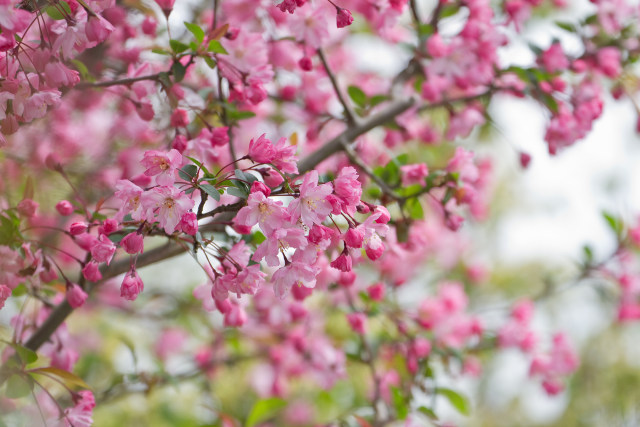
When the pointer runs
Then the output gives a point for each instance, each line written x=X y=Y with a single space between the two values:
x=55 y=13
x=216 y=47
x=614 y=223
x=197 y=32
x=258 y=237
x=399 y=403
x=211 y=191
x=567 y=26
x=588 y=255
x=357 y=96
x=19 y=290
x=449 y=10
x=377 y=99
x=428 y=412
x=239 y=115
x=68 y=378
x=458 y=401
x=264 y=410
x=160 y=51
x=177 y=46
x=414 y=208
x=234 y=191
x=210 y=62
x=199 y=164
x=19 y=386
x=188 y=172
x=178 y=71
x=84 y=71
x=27 y=355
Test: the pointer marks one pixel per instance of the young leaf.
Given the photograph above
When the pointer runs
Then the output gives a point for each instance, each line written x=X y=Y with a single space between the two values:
x=177 y=46
x=178 y=71
x=197 y=32
x=457 y=400
x=264 y=410
x=188 y=172
x=68 y=378
x=357 y=95
x=414 y=208
x=18 y=386
x=399 y=403
x=216 y=47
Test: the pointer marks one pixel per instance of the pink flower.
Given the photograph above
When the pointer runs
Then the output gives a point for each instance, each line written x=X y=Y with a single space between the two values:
x=78 y=228
x=133 y=243
x=75 y=295
x=130 y=196
x=354 y=237
x=103 y=250
x=80 y=414
x=280 y=238
x=285 y=158
x=262 y=150
x=376 y=291
x=311 y=207
x=414 y=174
x=168 y=204
x=553 y=59
x=347 y=187
x=97 y=29
x=166 y=6
x=259 y=186
x=248 y=281
x=296 y=273
x=27 y=208
x=343 y=262
x=162 y=165
x=343 y=17
x=179 y=118
x=64 y=208
x=5 y=293
x=358 y=322
x=270 y=215
x=131 y=285
x=91 y=272
x=608 y=59
x=220 y=136
x=189 y=223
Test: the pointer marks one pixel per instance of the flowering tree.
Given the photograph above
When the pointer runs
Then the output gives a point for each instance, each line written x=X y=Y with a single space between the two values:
x=328 y=205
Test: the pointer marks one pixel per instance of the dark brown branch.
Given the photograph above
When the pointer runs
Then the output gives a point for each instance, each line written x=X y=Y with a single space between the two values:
x=127 y=81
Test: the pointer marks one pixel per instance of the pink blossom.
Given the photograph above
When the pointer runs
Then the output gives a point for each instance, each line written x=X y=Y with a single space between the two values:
x=553 y=59
x=358 y=322
x=220 y=136
x=168 y=204
x=80 y=414
x=354 y=237
x=103 y=249
x=5 y=293
x=27 y=208
x=166 y=6
x=162 y=165
x=179 y=118
x=91 y=271
x=130 y=196
x=608 y=60
x=131 y=285
x=311 y=207
x=64 y=208
x=414 y=174
x=261 y=150
x=347 y=187
x=269 y=214
x=98 y=29
x=78 y=228
x=343 y=17
x=296 y=273
x=343 y=262
x=133 y=243
x=281 y=238
x=376 y=291
x=76 y=296
x=285 y=158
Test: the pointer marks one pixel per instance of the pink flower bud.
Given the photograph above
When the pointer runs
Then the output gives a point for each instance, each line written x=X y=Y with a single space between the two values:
x=108 y=226
x=179 y=118
x=97 y=29
x=103 y=250
x=75 y=295
x=301 y=292
x=421 y=347
x=376 y=291
x=220 y=136
x=27 y=208
x=346 y=278
x=305 y=64
x=454 y=222
x=525 y=159
x=91 y=272
x=166 y=6
x=343 y=17
x=259 y=186
x=272 y=178
x=189 y=223
x=131 y=285
x=133 y=243
x=179 y=143
x=358 y=322
x=78 y=228
x=223 y=306
x=149 y=26
x=384 y=217
x=261 y=150
x=354 y=237
x=64 y=208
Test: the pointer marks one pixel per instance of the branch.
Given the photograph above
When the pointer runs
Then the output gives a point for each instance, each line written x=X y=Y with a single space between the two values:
x=351 y=133
x=127 y=81
x=348 y=112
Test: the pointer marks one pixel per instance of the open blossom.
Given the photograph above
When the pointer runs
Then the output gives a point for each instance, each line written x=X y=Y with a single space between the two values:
x=347 y=187
x=261 y=150
x=269 y=214
x=248 y=281
x=285 y=158
x=162 y=165
x=561 y=361
x=281 y=238
x=311 y=207
x=80 y=414
x=372 y=230
x=168 y=204
x=414 y=174
x=130 y=196
x=98 y=29
x=297 y=273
